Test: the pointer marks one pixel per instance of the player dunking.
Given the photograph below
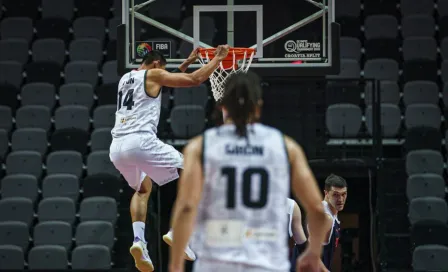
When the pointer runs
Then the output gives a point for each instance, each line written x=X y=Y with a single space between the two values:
x=235 y=186
x=334 y=201
x=135 y=150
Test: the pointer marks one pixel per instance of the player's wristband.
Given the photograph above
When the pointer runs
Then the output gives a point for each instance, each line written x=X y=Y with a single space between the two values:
x=176 y=71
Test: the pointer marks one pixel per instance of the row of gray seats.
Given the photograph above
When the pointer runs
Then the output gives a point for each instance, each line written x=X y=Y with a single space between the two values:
x=58 y=233
x=345 y=120
x=11 y=72
x=52 y=50
x=424 y=185
x=83 y=94
x=352 y=8
x=380 y=69
x=351 y=48
x=63 y=209
x=97 y=162
x=50 y=257
x=84 y=27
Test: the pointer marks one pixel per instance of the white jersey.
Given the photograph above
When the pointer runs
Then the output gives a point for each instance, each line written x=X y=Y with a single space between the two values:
x=136 y=111
x=241 y=217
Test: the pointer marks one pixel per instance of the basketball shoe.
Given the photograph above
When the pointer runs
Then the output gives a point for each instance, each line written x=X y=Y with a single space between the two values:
x=140 y=254
x=189 y=254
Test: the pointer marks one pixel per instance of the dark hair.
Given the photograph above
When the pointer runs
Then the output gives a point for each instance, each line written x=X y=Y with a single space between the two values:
x=242 y=93
x=154 y=55
x=334 y=181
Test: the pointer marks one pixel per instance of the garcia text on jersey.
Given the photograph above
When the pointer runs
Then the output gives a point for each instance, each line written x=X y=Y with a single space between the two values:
x=243 y=150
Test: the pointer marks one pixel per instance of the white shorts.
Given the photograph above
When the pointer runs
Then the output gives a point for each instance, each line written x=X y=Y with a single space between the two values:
x=138 y=155
x=202 y=265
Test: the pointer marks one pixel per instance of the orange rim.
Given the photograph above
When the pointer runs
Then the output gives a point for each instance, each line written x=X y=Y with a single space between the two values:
x=238 y=51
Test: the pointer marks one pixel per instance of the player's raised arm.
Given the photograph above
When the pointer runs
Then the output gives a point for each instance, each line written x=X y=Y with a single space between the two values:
x=191 y=59
x=305 y=188
x=164 y=78
x=187 y=202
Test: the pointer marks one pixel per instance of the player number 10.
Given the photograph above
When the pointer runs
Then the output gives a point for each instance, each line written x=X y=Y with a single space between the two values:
x=262 y=198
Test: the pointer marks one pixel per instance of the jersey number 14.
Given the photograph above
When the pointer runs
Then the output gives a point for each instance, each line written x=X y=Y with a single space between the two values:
x=128 y=100
x=246 y=184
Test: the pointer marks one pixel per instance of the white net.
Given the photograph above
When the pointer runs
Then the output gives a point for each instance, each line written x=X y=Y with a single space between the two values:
x=220 y=75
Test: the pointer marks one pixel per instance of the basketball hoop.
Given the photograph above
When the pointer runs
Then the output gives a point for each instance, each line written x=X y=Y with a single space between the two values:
x=227 y=67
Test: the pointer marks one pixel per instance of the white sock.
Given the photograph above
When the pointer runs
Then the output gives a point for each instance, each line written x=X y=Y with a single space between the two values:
x=139 y=230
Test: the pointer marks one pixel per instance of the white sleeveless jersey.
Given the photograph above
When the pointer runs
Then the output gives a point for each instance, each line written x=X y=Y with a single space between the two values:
x=136 y=110
x=241 y=218
x=290 y=212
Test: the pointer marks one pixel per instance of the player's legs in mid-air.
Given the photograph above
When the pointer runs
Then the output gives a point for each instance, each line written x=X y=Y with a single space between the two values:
x=143 y=161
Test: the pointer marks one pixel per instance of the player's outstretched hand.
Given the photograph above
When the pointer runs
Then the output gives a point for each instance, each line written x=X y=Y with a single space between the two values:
x=310 y=262
x=222 y=51
x=193 y=55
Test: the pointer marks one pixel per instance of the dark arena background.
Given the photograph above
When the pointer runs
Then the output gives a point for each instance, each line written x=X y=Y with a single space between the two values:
x=360 y=84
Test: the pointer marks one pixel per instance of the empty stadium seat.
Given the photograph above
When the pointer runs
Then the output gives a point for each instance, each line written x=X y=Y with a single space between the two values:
x=187 y=121
x=72 y=117
x=9 y=95
x=429 y=232
x=49 y=50
x=93 y=7
x=99 y=162
x=410 y=7
x=390 y=120
x=104 y=116
x=349 y=69
x=102 y=185
x=64 y=185
x=417 y=115
x=350 y=48
x=384 y=7
x=65 y=162
x=17 y=28
x=428 y=208
x=28 y=8
x=82 y=72
x=45 y=71
x=390 y=93
x=422 y=138
x=70 y=139
x=101 y=139
x=16 y=209
x=418 y=26
x=381 y=32
x=98 y=208
x=39 y=94
x=33 y=117
x=110 y=74
x=30 y=139
x=57 y=28
x=89 y=27
x=423 y=185
x=58 y=9
x=421 y=92
x=343 y=92
x=11 y=73
x=5 y=118
x=191 y=96
x=56 y=233
x=14 y=255
x=381 y=69
x=91 y=257
x=32 y=160
x=14 y=233
x=430 y=258
x=424 y=162
x=343 y=120
x=57 y=209
x=87 y=49
x=420 y=55
x=14 y=50
x=95 y=233
x=20 y=185
x=80 y=94
x=48 y=257
x=113 y=24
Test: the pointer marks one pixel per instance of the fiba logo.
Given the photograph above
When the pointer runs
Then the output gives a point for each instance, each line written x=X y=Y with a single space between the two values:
x=291 y=47
x=143 y=49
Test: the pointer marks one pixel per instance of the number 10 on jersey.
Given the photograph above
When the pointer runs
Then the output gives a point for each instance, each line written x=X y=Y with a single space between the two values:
x=246 y=184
